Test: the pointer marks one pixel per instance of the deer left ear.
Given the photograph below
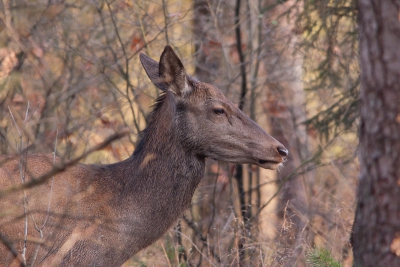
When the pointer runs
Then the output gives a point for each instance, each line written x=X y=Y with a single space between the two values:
x=152 y=69
x=173 y=73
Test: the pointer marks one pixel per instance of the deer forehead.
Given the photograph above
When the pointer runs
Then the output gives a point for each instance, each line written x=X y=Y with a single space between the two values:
x=204 y=92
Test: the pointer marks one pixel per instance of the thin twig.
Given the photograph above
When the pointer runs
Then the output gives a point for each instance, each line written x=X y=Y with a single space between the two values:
x=9 y=244
x=198 y=249
x=15 y=123
x=165 y=20
x=287 y=178
x=165 y=254
x=40 y=229
x=192 y=225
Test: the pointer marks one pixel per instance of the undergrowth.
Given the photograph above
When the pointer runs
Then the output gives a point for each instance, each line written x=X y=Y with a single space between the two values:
x=318 y=257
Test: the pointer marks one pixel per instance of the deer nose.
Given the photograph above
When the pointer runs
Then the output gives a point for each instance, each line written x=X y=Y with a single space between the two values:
x=283 y=152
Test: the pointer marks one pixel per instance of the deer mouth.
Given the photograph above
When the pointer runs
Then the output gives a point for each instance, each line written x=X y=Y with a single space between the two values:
x=263 y=161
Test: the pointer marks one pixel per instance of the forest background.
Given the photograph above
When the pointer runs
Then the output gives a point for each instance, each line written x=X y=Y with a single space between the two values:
x=70 y=77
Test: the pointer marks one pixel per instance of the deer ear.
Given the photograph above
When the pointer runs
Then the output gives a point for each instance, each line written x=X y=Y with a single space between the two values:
x=152 y=69
x=171 y=70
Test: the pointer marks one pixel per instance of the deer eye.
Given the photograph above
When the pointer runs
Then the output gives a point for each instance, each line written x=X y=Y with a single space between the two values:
x=219 y=111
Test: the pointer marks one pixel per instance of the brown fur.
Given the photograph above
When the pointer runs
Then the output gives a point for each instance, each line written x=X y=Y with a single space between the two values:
x=100 y=215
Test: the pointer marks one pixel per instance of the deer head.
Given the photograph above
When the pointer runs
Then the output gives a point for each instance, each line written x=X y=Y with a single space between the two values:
x=207 y=123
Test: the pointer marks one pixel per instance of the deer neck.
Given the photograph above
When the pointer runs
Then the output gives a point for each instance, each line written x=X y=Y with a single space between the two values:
x=161 y=175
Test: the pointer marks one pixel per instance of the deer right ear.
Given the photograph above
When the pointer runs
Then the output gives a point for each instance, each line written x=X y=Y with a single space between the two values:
x=152 y=69
x=172 y=72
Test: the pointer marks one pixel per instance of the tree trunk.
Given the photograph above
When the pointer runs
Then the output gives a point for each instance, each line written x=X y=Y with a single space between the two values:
x=201 y=25
x=286 y=106
x=376 y=230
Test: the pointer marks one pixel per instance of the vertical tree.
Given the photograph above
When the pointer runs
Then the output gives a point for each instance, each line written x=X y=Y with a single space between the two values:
x=376 y=231
x=201 y=21
x=286 y=104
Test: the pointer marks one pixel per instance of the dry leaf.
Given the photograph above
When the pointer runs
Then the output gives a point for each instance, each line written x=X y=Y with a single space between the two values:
x=395 y=246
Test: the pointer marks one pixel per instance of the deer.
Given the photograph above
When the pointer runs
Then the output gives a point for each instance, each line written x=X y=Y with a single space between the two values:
x=101 y=215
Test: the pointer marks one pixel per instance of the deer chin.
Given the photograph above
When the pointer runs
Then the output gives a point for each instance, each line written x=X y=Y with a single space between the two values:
x=269 y=164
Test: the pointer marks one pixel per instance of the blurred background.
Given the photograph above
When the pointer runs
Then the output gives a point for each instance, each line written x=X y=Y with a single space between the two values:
x=70 y=77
